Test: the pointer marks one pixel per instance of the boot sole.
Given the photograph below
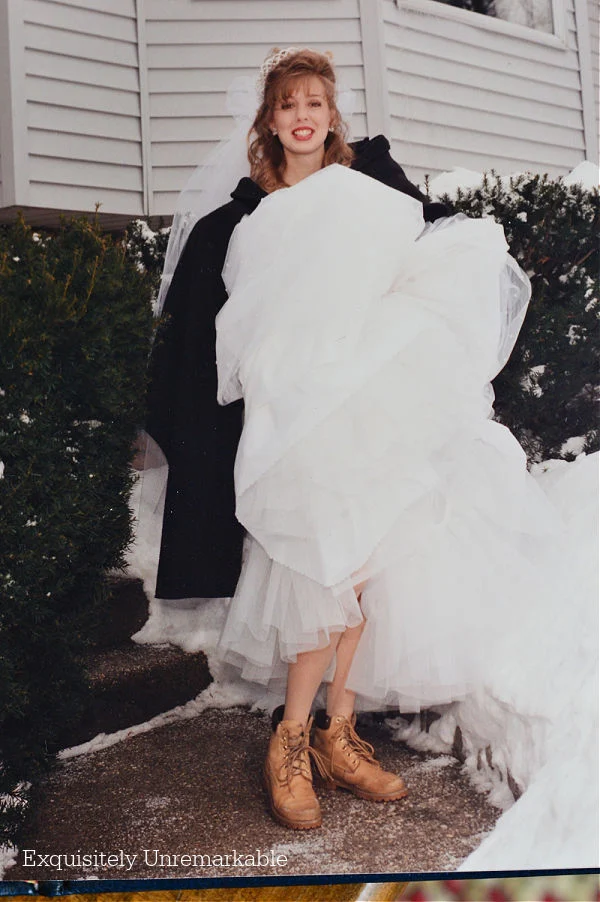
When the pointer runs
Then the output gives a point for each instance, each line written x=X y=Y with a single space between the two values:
x=362 y=794
x=331 y=783
x=281 y=819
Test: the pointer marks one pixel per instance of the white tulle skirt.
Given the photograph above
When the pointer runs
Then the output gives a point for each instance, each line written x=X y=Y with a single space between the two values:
x=363 y=349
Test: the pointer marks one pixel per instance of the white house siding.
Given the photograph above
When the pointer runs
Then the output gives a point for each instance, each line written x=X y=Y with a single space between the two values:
x=194 y=48
x=83 y=105
x=113 y=102
x=594 y=20
x=480 y=97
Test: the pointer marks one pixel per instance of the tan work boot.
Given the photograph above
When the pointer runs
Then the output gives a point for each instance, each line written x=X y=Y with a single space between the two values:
x=288 y=777
x=345 y=760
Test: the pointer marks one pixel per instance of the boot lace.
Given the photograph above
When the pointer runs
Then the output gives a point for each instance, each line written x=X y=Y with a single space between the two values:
x=296 y=761
x=350 y=741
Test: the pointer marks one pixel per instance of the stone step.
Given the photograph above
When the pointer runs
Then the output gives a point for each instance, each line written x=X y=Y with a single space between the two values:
x=133 y=683
x=125 y=612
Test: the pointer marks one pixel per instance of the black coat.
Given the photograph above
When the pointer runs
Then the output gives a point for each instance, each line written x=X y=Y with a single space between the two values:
x=201 y=543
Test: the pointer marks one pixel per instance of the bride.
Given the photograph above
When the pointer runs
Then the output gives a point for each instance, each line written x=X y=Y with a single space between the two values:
x=381 y=505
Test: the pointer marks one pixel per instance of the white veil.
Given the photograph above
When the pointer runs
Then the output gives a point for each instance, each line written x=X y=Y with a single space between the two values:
x=212 y=182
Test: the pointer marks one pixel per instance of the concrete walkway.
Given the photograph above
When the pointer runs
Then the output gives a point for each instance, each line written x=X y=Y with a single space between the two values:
x=193 y=787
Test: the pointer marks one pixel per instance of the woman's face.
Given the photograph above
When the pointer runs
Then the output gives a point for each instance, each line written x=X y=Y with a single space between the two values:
x=303 y=119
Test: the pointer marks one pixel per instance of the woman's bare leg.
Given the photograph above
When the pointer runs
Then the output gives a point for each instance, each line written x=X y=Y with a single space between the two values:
x=306 y=674
x=339 y=699
x=344 y=759
x=304 y=678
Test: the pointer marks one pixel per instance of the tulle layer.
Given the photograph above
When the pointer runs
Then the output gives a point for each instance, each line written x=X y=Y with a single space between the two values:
x=277 y=614
x=448 y=580
x=367 y=443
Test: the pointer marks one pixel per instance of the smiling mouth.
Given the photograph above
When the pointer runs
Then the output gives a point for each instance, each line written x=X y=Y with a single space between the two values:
x=303 y=133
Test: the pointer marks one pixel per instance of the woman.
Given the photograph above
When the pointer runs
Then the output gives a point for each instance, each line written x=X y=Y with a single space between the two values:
x=201 y=539
x=367 y=472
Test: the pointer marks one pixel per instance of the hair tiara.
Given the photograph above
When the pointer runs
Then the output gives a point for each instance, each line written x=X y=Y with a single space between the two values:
x=271 y=63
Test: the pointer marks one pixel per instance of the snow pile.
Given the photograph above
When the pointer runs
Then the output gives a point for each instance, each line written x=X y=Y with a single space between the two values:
x=450 y=182
x=586 y=174
x=8 y=859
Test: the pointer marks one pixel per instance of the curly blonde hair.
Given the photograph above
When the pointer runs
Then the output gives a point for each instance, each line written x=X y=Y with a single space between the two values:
x=265 y=151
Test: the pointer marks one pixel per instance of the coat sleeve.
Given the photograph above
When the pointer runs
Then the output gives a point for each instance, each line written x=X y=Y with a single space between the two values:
x=183 y=349
x=201 y=541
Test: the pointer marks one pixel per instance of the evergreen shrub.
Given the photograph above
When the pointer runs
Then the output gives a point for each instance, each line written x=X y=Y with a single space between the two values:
x=548 y=392
x=147 y=249
x=76 y=325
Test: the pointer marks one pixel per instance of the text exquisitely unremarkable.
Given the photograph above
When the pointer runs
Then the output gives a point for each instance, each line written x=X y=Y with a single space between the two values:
x=152 y=858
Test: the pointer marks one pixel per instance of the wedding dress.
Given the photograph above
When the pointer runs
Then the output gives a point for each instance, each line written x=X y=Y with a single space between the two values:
x=363 y=347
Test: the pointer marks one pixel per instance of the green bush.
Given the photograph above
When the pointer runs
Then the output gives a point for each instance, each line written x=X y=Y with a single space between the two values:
x=548 y=392
x=76 y=323
x=147 y=250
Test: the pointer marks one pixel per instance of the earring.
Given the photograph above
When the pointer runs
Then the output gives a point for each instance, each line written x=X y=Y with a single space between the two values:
x=331 y=128
x=273 y=131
